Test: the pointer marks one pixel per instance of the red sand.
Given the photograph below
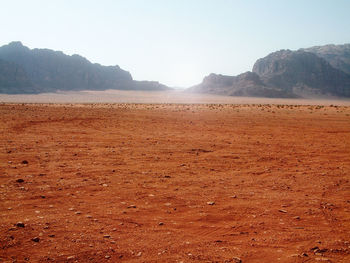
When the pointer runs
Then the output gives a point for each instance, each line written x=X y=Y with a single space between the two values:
x=174 y=183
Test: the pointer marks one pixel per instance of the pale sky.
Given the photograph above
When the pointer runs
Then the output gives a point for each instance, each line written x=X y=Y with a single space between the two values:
x=175 y=42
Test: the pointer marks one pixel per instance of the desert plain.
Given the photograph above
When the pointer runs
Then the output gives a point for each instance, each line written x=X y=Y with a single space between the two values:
x=174 y=183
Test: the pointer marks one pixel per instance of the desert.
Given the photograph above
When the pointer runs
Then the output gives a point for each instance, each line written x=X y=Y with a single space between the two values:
x=174 y=182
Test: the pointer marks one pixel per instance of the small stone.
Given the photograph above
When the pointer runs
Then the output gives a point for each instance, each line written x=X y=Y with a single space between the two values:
x=210 y=203
x=24 y=162
x=19 y=224
x=89 y=216
x=71 y=209
x=132 y=206
x=106 y=236
x=237 y=260
x=296 y=217
x=77 y=212
x=20 y=180
x=107 y=257
x=160 y=223
x=35 y=239
x=104 y=185
x=139 y=254
x=70 y=257
x=282 y=211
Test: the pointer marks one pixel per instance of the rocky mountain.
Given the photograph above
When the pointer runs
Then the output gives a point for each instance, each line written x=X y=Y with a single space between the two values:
x=337 y=55
x=14 y=77
x=44 y=70
x=284 y=73
x=246 y=84
x=301 y=72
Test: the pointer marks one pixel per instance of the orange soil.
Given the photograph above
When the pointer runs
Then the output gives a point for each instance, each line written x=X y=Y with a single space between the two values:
x=174 y=183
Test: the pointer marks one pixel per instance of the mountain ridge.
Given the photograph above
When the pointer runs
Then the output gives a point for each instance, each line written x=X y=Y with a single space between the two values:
x=285 y=74
x=51 y=71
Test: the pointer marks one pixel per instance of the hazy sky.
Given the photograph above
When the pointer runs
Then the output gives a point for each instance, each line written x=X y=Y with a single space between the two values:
x=176 y=42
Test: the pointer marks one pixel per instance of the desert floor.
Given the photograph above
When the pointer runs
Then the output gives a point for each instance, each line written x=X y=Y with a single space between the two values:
x=174 y=183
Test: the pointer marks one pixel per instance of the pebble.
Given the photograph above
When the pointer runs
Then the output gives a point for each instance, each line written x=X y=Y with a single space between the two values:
x=106 y=236
x=104 y=185
x=160 y=223
x=70 y=257
x=20 y=180
x=132 y=206
x=282 y=211
x=20 y=224
x=78 y=213
x=107 y=257
x=35 y=239
x=24 y=162
x=296 y=217
x=210 y=203
x=237 y=260
x=139 y=254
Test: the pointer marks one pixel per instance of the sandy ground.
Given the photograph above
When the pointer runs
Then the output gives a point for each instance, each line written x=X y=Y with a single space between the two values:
x=175 y=96
x=174 y=183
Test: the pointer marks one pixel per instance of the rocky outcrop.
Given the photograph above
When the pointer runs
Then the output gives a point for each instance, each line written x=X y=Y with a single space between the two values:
x=296 y=71
x=50 y=71
x=337 y=55
x=14 y=77
x=247 y=84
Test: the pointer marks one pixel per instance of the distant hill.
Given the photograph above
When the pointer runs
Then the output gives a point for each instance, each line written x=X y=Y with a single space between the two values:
x=247 y=84
x=285 y=73
x=337 y=55
x=45 y=70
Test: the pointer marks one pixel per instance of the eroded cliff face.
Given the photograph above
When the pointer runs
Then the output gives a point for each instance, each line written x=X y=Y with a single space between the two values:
x=337 y=55
x=289 y=70
x=284 y=73
x=50 y=71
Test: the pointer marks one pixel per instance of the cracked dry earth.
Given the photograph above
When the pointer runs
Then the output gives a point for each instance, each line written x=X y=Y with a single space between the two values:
x=174 y=183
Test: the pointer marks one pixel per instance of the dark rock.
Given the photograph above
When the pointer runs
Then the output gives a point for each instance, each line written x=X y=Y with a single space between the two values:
x=20 y=180
x=24 y=162
x=36 y=239
x=20 y=224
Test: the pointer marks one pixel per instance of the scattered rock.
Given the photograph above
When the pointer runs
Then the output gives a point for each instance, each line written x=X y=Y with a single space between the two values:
x=296 y=217
x=70 y=257
x=139 y=254
x=282 y=211
x=77 y=212
x=236 y=260
x=107 y=257
x=160 y=223
x=35 y=239
x=106 y=236
x=132 y=206
x=20 y=180
x=24 y=162
x=210 y=203
x=19 y=224
x=104 y=185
